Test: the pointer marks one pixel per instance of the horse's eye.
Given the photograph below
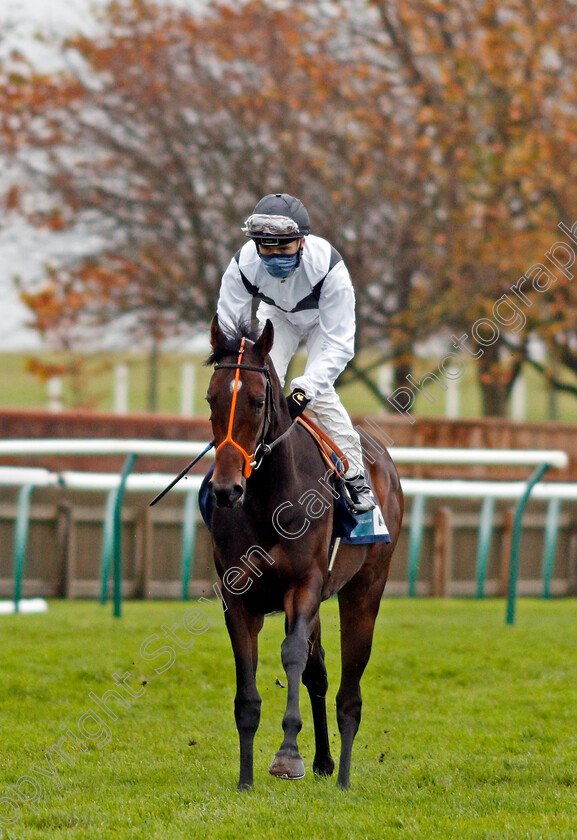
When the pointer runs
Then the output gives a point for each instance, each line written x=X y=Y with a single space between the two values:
x=258 y=404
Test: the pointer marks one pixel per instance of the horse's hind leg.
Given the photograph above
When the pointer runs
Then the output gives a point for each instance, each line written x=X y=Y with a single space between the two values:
x=359 y=603
x=315 y=679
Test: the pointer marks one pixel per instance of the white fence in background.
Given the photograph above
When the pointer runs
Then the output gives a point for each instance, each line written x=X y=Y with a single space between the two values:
x=121 y=392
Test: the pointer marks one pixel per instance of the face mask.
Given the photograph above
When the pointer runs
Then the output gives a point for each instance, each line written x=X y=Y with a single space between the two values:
x=280 y=265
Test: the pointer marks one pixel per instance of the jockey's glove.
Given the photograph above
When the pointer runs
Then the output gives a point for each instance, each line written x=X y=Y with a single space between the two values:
x=297 y=402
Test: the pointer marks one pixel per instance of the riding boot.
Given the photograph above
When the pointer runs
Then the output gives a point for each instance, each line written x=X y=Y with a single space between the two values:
x=358 y=494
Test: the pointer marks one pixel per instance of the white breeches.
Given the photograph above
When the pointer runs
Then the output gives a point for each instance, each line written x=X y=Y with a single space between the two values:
x=327 y=409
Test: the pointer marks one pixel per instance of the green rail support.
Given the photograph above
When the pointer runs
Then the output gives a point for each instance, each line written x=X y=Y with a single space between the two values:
x=21 y=540
x=188 y=540
x=550 y=543
x=484 y=542
x=415 y=540
x=107 y=545
x=536 y=476
x=117 y=554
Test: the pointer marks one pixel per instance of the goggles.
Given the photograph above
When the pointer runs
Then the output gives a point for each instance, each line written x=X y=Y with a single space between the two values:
x=263 y=225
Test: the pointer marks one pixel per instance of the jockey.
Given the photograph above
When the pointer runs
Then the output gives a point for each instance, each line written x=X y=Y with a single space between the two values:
x=306 y=291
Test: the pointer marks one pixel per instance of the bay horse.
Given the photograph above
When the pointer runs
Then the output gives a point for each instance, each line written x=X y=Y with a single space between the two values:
x=271 y=534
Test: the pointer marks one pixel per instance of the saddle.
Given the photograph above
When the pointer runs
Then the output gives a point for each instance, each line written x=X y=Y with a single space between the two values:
x=335 y=459
x=348 y=528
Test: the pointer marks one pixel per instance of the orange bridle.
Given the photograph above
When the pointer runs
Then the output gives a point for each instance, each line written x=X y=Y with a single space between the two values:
x=249 y=460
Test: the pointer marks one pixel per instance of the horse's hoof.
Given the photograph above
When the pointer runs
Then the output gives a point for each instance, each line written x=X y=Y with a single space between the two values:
x=244 y=786
x=287 y=767
x=324 y=767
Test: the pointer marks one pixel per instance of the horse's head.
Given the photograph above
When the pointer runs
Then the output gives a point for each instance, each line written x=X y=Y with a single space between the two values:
x=240 y=399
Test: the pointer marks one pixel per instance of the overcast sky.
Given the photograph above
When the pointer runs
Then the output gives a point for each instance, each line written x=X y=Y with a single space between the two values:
x=48 y=15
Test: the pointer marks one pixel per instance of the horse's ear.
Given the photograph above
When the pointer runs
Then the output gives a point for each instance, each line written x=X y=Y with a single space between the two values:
x=216 y=334
x=265 y=341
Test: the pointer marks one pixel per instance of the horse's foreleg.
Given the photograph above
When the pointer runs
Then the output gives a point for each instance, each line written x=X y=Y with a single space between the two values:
x=315 y=679
x=301 y=606
x=243 y=630
x=287 y=763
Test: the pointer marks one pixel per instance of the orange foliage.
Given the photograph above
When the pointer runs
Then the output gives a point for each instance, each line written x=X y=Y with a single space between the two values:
x=432 y=141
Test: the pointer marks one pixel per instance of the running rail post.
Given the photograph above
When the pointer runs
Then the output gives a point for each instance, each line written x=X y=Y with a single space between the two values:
x=484 y=542
x=188 y=541
x=415 y=539
x=126 y=470
x=536 y=475
x=21 y=540
x=550 y=543
x=107 y=544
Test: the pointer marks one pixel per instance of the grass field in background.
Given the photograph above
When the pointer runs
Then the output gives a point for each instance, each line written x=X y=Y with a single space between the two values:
x=468 y=728
x=20 y=388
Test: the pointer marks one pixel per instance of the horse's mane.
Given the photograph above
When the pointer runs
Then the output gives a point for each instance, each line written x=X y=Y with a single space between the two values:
x=230 y=344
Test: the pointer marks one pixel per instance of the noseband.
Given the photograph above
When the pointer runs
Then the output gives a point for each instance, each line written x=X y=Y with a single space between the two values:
x=250 y=461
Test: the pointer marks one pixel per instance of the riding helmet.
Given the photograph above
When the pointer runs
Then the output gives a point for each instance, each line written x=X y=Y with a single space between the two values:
x=268 y=222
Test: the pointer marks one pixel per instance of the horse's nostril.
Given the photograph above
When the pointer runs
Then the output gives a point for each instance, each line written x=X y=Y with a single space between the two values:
x=227 y=496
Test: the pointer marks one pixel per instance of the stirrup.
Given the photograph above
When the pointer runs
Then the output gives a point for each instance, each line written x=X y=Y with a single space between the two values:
x=358 y=494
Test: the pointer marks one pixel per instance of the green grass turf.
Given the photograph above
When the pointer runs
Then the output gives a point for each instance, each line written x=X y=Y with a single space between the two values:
x=468 y=728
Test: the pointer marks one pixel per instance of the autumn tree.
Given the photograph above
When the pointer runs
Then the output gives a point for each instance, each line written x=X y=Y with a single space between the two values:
x=430 y=140
x=154 y=144
x=485 y=124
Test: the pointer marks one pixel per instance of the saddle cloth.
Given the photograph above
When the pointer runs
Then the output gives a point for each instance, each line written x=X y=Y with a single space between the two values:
x=359 y=528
